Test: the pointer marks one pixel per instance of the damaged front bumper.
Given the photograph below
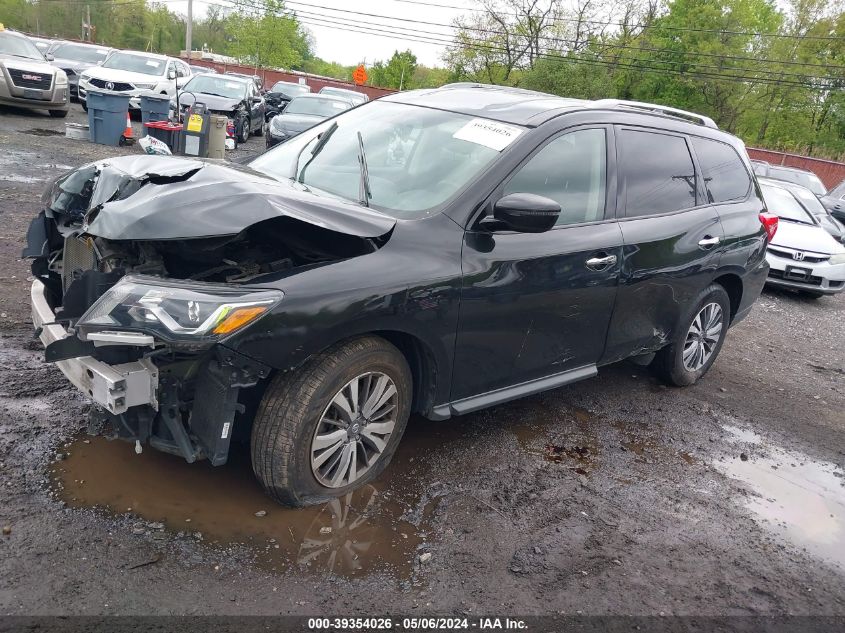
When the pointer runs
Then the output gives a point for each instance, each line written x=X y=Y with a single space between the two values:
x=114 y=387
x=186 y=407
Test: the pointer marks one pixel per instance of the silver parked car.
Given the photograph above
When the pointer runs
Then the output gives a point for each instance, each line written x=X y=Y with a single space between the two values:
x=76 y=57
x=27 y=80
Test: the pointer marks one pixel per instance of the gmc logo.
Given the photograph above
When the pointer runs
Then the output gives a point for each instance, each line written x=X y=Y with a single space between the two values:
x=31 y=77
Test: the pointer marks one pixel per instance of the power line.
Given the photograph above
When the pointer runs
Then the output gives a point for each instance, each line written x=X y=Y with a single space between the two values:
x=641 y=26
x=435 y=37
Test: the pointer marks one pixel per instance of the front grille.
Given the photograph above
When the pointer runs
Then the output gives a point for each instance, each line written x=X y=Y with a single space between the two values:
x=810 y=281
x=810 y=259
x=29 y=79
x=118 y=86
x=78 y=257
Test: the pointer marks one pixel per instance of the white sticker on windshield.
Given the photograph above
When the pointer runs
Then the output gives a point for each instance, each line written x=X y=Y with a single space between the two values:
x=232 y=85
x=153 y=63
x=488 y=133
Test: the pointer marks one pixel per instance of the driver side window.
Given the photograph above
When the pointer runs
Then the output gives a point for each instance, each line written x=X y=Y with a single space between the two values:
x=571 y=170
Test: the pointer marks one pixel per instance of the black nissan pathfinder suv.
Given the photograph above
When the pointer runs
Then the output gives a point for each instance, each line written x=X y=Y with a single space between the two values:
x=436 y=251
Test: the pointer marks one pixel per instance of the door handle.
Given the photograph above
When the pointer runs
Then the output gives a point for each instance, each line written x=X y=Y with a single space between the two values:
x=709 y=242
x=600 y=263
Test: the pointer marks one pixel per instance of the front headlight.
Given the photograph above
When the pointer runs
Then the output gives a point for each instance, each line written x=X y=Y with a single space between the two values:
x=61 y=78
x=276 y=125
x=839 y=258
x=176 y=311
x=84 y=79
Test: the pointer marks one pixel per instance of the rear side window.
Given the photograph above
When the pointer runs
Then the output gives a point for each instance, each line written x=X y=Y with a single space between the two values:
x=572 y=171
x=725 y=176
x=658 y=173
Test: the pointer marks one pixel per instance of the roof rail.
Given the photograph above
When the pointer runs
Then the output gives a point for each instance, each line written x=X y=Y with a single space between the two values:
x=653 y=107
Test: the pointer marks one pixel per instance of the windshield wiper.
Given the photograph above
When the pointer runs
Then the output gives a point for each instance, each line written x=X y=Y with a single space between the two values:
x=364 y=193
x=318 y=147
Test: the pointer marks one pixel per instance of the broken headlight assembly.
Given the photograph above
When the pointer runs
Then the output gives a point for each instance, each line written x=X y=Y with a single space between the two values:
x=176 y=311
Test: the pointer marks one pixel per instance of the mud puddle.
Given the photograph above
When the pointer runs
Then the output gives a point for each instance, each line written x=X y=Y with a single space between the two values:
x=40 y=131
x=580 y=450
x=382 y=526
x=796 y=497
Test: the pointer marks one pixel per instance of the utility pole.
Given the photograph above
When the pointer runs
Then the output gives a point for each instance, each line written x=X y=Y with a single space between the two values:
x=189 y=27
x=87 y=23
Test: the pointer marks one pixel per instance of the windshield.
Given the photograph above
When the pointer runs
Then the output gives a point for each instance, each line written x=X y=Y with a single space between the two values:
x=78 y=53
x=135 y=64
x=809 y=201
x=218 y=85
x=19 y=47
x=784 y=205
x=317 y=106
x=286 y=87
x=838 y=191
x=811 y=181
x=417 y=158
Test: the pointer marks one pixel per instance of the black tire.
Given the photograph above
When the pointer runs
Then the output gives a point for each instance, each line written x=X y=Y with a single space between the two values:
x=668 y=363
x=293 y=405
x=58 y=114
x=243 y=131
x=84 y=105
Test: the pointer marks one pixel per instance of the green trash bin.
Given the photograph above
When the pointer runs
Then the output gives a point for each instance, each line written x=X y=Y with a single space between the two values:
x=107 y=112
x=155 y=107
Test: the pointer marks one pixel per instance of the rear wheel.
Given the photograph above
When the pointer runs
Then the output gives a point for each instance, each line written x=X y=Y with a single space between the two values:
x=334 y=424
x=58 y=114
x=697 y=341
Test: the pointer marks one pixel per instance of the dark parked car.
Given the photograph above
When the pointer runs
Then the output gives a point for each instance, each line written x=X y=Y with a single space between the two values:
x=834 y=201
x=74 y=58
x=357 y=98
x=435 y=252
x=280 y=94
x=790 y=174
x=301 y=113
x=233 y=97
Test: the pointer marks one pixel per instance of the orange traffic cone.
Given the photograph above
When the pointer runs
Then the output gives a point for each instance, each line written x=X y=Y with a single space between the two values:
x=127 y=138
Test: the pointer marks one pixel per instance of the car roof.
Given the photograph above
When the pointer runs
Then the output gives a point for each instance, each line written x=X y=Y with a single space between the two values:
x=88 y=44
x=318 y=95
x=795 y=169
x=143 y=54
x=532 y=108
x=774 y=182
x=786 y=184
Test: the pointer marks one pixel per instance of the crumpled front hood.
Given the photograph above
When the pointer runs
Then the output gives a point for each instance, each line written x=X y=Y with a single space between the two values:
x=165 y=198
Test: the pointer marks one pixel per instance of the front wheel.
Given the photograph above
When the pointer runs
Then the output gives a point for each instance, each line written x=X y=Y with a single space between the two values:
x=698 y=340
x=243 y=135
x=332 y=425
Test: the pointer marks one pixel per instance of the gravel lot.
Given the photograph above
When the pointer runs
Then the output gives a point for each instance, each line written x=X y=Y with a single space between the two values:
x=613 y=496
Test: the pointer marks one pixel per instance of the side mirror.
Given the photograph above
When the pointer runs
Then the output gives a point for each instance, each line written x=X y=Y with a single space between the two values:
x=526 y=212
x=49 y=57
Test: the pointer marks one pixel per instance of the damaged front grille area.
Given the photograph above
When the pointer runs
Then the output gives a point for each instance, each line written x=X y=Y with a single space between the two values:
x=79 y=256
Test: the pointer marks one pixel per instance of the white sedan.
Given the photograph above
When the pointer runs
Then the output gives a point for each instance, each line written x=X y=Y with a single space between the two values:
x=802 y=255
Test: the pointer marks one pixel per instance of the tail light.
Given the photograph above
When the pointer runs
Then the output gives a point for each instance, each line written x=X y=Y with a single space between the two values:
x=770 y=223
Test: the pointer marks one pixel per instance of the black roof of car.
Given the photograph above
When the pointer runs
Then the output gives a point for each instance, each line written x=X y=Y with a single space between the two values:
x=527 y=107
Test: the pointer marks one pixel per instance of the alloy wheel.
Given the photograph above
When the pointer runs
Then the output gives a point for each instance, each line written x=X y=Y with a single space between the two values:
x=354 y=429
x=703 y=336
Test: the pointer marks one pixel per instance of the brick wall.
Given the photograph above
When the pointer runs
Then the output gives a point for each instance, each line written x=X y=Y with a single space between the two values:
x=830 y=172
x=269 y=77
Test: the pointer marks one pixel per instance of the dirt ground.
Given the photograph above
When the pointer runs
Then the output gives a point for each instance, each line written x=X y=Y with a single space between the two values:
x=613 y=496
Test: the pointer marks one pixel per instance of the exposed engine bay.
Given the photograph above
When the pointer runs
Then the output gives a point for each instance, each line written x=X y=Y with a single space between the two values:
x=144 y=265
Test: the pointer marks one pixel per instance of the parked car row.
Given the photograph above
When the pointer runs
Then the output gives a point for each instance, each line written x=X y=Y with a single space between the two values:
x=48 y=74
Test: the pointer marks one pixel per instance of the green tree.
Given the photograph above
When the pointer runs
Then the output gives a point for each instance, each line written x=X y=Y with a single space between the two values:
x=397 y=72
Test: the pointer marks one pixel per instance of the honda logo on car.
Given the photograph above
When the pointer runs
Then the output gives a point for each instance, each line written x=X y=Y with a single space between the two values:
x=798 y=256
x=31 y=77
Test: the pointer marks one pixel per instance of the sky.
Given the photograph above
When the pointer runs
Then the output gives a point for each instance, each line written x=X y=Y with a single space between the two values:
x=346 y=47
